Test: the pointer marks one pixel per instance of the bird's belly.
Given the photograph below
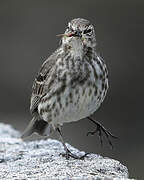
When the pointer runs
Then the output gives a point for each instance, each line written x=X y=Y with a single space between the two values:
x=82 y=104
x=73 y=104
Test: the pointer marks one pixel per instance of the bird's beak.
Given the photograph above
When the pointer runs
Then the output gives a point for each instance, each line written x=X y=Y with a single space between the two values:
x=66 y=35
x=72 y=34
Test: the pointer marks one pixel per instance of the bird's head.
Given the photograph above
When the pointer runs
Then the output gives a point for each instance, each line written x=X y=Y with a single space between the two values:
x=79 y=30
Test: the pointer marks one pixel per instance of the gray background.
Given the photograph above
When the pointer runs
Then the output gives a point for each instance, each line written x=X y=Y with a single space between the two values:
x=28 y=36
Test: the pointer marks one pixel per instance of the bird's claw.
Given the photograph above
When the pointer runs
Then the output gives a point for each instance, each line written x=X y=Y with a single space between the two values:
x=101 y=129
x=68 y=154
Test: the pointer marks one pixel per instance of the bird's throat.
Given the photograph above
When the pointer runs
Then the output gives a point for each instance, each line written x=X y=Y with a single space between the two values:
x=76 y=48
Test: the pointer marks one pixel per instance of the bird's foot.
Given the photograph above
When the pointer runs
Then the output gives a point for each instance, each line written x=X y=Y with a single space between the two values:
x=69 y=154
x=99 y=129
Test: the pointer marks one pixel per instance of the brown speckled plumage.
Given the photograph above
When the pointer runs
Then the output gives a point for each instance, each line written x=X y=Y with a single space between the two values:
x=72 y=82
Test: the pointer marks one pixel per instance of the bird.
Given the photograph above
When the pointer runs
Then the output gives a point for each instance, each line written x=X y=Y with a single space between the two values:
x=71 y=85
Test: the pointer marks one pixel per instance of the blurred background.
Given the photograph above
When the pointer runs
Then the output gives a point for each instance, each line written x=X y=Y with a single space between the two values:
x=28 y=32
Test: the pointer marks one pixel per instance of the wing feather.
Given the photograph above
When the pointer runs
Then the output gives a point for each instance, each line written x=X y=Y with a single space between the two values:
x=39 y=85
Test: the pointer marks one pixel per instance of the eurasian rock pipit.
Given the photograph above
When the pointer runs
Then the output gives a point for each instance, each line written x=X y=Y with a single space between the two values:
x=71 y=84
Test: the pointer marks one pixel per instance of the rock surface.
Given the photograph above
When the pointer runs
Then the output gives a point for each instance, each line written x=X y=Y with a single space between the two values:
x=41 y=160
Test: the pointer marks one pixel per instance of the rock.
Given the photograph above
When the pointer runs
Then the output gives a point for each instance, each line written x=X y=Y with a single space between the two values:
x=41 y=160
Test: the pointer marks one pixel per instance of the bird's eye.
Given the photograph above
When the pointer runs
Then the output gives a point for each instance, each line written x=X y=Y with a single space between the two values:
x=88 y=31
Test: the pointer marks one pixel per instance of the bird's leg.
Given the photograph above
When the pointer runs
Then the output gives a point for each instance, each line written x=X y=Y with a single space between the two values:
x=68 y=152
x=99 y=129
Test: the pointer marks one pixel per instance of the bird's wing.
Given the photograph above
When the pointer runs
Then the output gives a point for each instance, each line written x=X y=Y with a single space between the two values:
x=39 y=85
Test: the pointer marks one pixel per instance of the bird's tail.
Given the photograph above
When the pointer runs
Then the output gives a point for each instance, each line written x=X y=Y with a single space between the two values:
x=39 y=126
